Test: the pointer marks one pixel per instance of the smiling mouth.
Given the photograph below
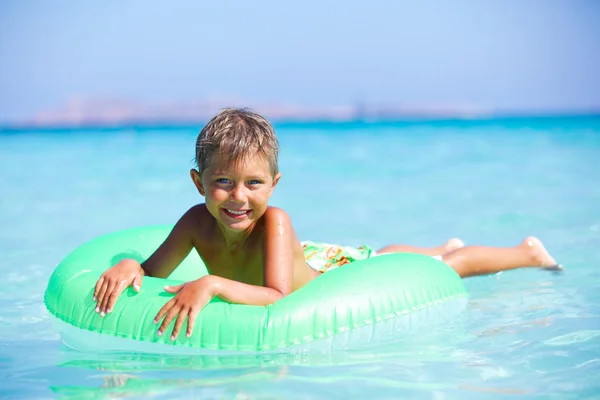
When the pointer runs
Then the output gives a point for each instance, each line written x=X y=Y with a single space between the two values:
x=237 y=214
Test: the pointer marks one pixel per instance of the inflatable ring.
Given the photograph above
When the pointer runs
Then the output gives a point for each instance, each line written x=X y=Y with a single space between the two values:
x=364 y=302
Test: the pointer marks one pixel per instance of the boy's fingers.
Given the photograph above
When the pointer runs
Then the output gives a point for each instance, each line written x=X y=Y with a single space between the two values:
x=191 y=319
x=109 y=290
x=163 y=311
x=112 y=299
x=178 y=324
x=174 y=289
x=168 y=318
x=98 y=286
x=137 y=282
x=100 y=296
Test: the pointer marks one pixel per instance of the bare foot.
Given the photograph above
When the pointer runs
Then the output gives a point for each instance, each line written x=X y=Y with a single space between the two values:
x=541 y=257
x=453 y=244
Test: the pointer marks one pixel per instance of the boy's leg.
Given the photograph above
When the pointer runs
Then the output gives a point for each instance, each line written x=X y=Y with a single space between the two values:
x=449 y=246
x=481 y=260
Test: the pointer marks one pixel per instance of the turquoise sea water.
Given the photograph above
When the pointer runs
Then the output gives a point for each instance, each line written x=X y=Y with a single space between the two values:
x=525 y=333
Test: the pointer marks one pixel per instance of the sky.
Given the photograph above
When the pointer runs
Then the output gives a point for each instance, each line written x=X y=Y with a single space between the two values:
x=525 y=54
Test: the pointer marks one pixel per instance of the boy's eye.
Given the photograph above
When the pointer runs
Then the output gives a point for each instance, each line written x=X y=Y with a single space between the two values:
x=223 y=180
x=254 y=182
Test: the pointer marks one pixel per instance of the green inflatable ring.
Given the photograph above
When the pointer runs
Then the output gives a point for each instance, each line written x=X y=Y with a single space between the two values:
x=361 y=303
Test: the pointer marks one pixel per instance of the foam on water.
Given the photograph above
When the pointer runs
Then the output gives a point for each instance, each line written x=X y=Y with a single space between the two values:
x=493 y=183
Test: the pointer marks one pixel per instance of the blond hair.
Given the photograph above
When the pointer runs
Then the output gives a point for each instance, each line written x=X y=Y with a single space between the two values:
x=237 y=133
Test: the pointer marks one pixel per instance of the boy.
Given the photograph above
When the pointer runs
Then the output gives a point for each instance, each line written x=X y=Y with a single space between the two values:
x=249 y=248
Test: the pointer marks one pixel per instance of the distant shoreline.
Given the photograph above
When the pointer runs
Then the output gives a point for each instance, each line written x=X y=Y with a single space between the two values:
x=392 y=120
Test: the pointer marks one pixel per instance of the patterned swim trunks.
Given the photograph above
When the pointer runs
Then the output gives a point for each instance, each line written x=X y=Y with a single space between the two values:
x=324 y=257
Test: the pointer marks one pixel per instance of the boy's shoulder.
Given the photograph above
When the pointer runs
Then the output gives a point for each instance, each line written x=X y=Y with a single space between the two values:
x=196 y=216
x=275 y=212
x=276 y=216
x=198 y=211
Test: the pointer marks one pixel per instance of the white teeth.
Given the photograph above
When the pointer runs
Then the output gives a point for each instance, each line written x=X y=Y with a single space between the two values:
x=237 y=212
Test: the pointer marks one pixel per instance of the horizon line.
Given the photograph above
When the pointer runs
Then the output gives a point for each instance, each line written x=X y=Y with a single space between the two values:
x=408 y=119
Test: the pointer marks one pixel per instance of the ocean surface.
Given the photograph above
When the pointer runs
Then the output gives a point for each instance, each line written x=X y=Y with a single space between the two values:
x=525 y=333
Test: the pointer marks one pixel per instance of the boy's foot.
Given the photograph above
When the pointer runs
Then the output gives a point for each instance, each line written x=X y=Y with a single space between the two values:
x=453 y=244
x=541 y=257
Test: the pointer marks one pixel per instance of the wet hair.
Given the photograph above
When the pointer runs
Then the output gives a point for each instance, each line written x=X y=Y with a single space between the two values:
x=235 y=134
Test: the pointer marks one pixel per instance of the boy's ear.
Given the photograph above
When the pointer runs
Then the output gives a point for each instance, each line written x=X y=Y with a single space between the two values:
x=197 y=179
x=275 y=181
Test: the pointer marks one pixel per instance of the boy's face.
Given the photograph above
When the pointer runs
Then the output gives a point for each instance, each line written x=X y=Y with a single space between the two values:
x=237 y=195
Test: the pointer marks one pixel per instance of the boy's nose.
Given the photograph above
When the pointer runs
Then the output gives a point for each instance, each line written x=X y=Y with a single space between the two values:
x=239 y=194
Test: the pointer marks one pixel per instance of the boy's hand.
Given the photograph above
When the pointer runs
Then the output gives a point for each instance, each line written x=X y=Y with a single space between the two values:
x=112 y=283
x=190 y=299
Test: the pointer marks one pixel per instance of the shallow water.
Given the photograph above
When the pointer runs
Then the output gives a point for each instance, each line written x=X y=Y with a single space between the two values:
x=524 y=333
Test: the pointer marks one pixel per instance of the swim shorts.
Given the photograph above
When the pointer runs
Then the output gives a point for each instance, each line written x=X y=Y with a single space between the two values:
x=324 y=257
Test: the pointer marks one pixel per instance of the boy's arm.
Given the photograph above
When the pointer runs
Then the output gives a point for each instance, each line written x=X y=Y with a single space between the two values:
x=279 y=251
x=175 y=248
x=161 y=263
x=193 y=296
